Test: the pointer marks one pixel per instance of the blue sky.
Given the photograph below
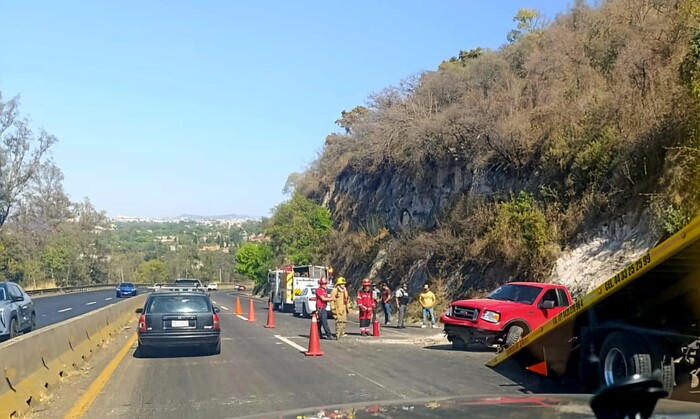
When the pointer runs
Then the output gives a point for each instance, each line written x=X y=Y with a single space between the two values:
x=170 y=107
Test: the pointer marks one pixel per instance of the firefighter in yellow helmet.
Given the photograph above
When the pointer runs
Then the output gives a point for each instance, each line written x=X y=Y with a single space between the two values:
x=339 y=306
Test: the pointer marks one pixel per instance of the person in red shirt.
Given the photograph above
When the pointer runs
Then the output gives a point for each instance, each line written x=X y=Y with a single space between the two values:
x=366 y=304
x=322 y=300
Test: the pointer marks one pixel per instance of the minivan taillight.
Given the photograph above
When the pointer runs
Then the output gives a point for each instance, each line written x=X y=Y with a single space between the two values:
x=142 y=323
x=216 y=321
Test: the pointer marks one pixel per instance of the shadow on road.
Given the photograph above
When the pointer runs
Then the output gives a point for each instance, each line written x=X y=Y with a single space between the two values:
x=448 y=347
x=536 y=383
x=171 y=353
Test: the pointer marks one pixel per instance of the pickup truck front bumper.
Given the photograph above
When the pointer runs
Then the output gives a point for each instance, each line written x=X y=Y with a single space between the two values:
x=470 y=334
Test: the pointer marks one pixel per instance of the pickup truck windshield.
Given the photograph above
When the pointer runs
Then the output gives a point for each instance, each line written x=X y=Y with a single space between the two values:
x=524 y=294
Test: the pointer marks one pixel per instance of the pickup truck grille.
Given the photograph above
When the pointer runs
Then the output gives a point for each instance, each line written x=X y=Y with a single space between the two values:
x=465 y=313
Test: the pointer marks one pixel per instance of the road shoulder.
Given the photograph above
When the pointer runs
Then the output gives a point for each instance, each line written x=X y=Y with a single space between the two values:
x=60 y=400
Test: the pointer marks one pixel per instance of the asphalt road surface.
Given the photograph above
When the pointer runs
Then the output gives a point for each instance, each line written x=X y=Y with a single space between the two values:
x=263 y=370
x=57 y=308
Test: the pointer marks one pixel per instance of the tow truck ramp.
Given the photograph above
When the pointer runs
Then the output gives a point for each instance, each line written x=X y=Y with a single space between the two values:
x=645 y=319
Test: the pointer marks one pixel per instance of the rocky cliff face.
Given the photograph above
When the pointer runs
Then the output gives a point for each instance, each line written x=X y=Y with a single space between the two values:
x=604 y=251
x=403 y=202
x=407 y=205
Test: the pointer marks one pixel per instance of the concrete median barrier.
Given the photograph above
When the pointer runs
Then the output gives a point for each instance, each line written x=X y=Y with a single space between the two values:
x=34 y=363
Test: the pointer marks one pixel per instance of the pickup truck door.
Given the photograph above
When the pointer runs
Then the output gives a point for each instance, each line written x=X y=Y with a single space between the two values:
x=556 y=305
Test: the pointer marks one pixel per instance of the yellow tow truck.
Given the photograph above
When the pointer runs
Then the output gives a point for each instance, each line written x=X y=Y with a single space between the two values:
x=644 y=320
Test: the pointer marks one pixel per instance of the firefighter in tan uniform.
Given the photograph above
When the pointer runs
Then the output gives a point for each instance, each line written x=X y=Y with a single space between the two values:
x=339 y=306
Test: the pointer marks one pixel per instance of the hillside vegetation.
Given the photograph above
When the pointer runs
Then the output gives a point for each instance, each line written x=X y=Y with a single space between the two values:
x=566 y=126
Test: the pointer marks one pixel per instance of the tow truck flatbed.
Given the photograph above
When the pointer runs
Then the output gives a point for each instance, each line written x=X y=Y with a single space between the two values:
x=653 y=304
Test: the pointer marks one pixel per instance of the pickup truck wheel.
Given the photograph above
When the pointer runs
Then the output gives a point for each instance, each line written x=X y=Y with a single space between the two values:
x=458 y=344
x=622 y=355
x=514 y=334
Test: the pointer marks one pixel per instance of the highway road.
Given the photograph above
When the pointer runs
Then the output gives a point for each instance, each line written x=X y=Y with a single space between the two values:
x=263 y=370
x=57 y=308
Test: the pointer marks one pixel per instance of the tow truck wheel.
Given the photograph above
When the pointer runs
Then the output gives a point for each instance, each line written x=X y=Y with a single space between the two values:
x=622 y=355
x=663 y=365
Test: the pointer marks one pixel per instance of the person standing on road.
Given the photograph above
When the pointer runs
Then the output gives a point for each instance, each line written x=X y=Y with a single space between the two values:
x=386 y=303
x=427 y=300
x=377 y=297
x=322 y=300
x=365 y=302
x=339 y=307
x=401 y=296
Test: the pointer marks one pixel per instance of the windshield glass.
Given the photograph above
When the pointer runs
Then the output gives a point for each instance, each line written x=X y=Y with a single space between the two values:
x=127 y=285
x=179 y=304
x=525 y=294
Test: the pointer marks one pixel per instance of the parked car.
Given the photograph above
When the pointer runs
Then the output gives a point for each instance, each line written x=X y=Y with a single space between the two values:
x=508 y=313
x=305 y=303
x=127 y=289
x=213 y=286
x=178 y=319
x=17 y=313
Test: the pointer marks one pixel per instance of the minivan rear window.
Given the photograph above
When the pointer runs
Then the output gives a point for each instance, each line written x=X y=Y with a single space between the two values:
x=179 y=304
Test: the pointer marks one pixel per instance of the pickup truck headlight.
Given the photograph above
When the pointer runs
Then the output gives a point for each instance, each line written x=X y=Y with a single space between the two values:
x=448 y=312
x=491 y=316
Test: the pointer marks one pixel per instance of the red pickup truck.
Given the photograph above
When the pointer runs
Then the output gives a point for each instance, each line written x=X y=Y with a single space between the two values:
x=505 y=315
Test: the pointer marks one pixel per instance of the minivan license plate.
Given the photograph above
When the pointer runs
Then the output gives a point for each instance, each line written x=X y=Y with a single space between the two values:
x=180 y=323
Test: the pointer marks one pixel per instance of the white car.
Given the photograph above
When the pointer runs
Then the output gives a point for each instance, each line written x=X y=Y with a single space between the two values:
x=305 y=303
x=213 y=287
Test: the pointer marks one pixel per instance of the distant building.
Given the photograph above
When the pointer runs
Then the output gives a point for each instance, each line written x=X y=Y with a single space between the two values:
x=257 y=238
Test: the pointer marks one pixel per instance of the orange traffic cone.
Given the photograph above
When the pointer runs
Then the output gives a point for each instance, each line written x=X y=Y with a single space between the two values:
x=239 y=311
x=314 y=339
x=270 y=317
x=251 y=312
x=375 y=328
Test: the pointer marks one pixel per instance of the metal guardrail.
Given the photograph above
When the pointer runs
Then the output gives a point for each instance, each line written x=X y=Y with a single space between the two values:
x=82 y=288
x=74 y=288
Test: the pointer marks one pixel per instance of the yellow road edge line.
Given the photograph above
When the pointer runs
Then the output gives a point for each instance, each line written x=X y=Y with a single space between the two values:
x=81 y=407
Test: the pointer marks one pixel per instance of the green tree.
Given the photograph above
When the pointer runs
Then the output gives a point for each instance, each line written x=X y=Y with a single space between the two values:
x=299 y=229
x=528 y=21
x=253 y=260
x=22 y=152
x=152 y=271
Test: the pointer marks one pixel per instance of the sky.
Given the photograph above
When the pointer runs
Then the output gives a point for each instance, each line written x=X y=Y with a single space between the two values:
x=163 y=108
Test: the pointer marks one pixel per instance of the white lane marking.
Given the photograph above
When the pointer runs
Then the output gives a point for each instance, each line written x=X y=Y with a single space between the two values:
x=108 y=298
x=65 y=309
x=224 y=307
x=290 y=343
x=91 y=303
x=354 y=373
x=214 y=302
x=241 y=317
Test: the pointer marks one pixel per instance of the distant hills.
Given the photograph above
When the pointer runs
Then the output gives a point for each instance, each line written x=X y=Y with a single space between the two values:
x=214 y=217
x=188 y=217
